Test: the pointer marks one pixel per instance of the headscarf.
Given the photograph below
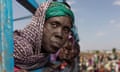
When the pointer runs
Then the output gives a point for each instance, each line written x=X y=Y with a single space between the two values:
x=27 y=42
x=59 y=9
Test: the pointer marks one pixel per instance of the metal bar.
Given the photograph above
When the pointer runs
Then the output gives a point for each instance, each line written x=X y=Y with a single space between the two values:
x=60 y=0
x=64 y=0
x=34 y=3
x=22 y=18
x=6 y=36
x=27 y=5
x=54 y=0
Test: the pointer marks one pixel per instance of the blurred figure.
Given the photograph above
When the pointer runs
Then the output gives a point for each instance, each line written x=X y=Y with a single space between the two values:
x=65 y=61
x=102 y=69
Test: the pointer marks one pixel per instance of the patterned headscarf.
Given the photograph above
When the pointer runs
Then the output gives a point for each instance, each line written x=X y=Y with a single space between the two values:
x=27 y=42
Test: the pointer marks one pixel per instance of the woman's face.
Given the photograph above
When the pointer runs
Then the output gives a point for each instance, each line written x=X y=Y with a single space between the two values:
x=55 y=34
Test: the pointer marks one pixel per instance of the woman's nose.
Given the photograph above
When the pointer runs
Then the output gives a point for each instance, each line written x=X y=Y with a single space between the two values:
x=59 y=33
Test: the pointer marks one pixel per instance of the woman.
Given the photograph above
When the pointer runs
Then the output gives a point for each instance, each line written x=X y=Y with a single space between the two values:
x=48 y=31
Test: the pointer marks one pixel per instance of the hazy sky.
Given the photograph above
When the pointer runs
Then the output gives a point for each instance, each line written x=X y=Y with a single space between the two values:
x=98 y=22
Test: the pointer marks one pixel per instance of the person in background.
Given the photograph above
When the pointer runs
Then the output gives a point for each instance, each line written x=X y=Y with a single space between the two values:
x=65 y=60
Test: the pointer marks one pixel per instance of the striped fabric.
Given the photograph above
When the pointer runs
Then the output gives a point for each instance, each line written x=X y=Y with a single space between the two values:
x=27 y=42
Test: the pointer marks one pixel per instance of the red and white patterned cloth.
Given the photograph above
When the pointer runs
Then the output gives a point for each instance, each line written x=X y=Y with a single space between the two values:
x=27 y=42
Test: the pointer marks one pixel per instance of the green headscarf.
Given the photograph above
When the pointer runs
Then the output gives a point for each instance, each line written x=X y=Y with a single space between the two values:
x=58 y=9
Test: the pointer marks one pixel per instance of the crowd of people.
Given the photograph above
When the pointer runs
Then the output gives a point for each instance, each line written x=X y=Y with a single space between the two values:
x=100 y=62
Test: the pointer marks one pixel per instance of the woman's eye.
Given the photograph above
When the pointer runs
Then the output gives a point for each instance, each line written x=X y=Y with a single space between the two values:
x=66 y=30
x=54 y=25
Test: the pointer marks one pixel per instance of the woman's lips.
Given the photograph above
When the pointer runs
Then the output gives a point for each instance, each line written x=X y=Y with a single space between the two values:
x=56 y=44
